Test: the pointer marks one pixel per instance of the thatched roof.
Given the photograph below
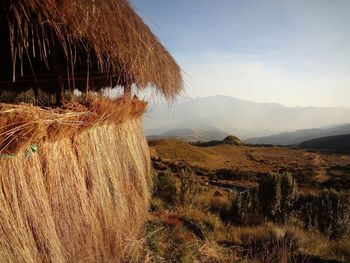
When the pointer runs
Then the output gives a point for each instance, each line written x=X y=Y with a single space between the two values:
x=116 y=37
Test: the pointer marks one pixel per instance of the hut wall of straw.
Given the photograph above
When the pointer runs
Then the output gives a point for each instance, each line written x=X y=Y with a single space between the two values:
x=73 y=180
x=78 y=197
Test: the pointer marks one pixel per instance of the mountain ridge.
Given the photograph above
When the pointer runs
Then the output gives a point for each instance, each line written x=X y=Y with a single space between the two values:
x=191 y=135
x=243 y=118
x=296 y=137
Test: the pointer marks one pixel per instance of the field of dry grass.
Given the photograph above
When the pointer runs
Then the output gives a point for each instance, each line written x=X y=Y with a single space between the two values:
x=202 y=231
x=197 y=233
x=310 y=167
x=261 y=159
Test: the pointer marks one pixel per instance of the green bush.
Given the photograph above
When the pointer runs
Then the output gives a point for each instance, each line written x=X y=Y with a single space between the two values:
x=308 y=210
x=164 y=187
x=269 y=197
x=239 y=208
x=329 y=212
x=333 y=214
x=276 y=196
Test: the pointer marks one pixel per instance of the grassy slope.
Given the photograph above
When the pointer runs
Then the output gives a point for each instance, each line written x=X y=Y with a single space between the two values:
x=337 y=143
x=256 y=159
x=172 y=241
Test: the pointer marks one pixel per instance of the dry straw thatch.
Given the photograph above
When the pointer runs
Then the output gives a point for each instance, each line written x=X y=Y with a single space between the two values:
x=22 y=125
x=108 y=33
x=77 y=199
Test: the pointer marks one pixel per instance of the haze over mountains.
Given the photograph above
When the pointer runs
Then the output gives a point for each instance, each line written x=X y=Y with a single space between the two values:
x=227 y=115
x=192 y=135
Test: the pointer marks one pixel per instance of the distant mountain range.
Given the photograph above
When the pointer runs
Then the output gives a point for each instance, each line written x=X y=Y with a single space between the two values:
x=191 y=135
x=337 y=143
x=296 y=137
x=242 y=118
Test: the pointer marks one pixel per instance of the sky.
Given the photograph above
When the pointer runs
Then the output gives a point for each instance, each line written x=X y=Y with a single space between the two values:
x=292 y=52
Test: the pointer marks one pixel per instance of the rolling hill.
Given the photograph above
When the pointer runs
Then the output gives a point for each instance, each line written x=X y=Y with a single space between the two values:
x=296 y=137
x=338 y=143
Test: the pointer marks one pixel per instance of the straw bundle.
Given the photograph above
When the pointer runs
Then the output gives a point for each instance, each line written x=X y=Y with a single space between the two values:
x=25 y=124
x=75 y=200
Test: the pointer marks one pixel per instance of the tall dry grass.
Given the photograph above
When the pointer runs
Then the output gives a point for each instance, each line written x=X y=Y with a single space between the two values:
x=78 y=199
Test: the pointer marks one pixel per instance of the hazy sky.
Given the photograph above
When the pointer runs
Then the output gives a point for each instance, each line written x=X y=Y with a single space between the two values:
x=292 y=52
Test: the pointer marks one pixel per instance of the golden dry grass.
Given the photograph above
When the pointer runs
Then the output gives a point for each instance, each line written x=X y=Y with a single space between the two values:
x=254 y=240
x=81 y=198
x=243 y=158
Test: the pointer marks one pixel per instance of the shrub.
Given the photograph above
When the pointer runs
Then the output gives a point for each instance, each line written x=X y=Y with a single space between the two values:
x=289 y=195
x=269 y=197
x=308 y=210
x=334 y=214
x=239 y=208
x=189 y=187
x=329 y=212
x=276 y=196
x=164 y=187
